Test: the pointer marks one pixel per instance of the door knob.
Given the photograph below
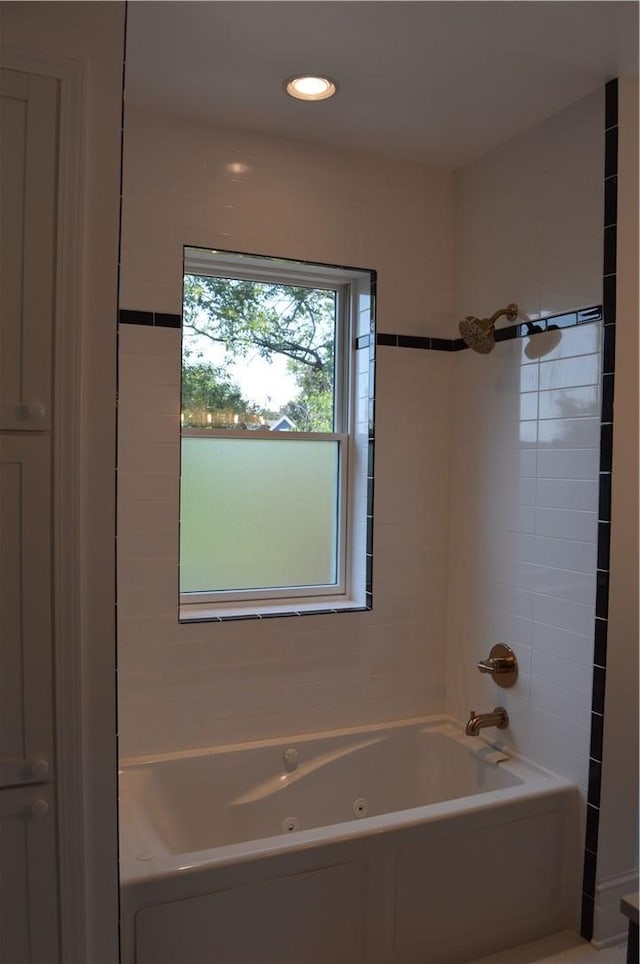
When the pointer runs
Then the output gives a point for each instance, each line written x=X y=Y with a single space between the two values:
x=39 y=769
x=32 y=411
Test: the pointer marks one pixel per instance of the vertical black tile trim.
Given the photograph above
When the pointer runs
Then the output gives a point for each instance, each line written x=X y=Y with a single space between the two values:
x=604 y=538
x=609 y=349
x=586 y=919
x=599 y=683
x=610 y=201
x=370 y=457
x=372 y=416
x=600 y=647
x=611 y=104
x=611 y=152
x=595 y=779
x=604 y=507
x=608 y=381
x=589 y=875
x=604 y=502
x=609 y=299
x=595 y=747
x=602 y=591
x=610 y=250
x=593 y=821
x=606 y=441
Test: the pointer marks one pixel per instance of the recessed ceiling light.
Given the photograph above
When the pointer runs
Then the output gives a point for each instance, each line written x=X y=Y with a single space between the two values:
x=310 y=87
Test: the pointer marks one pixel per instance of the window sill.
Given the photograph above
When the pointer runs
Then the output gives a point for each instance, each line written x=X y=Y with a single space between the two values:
x=216 y=614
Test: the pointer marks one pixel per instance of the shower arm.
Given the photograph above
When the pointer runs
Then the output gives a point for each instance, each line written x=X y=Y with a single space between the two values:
x=511 y=312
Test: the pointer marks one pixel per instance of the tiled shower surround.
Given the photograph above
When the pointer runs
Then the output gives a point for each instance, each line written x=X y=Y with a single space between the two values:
x=206 y=683
x=190 y=685
x=486 y=480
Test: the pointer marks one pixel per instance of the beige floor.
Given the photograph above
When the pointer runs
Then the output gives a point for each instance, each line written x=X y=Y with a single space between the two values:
x=563 y=948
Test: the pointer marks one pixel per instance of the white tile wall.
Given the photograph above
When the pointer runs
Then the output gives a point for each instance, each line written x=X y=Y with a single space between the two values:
x=487 y=464
x=525 y=574
x=188 y=184
x=529 y=218
x=194 y=685
x=525 y=438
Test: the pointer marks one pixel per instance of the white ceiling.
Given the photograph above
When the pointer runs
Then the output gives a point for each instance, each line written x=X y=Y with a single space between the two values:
x=440 y=82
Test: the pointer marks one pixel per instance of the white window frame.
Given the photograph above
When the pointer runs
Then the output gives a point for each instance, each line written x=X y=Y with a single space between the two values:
x=349 y=591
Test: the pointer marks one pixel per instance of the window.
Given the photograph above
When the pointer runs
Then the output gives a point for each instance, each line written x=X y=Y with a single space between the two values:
x=276 y=439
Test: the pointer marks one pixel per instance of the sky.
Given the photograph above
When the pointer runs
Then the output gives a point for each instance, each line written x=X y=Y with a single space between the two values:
x=267 y=384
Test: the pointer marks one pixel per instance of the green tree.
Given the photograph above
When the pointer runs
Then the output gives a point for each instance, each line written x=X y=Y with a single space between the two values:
x=312 y=408
x=270 y=319
x=209 y=390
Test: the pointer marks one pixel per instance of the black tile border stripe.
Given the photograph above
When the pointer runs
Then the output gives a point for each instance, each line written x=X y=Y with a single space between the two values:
x=610 y=237
x=127 y=316
x=153 y=319
x=567 y=319
x=267 y=615
x=157 y=319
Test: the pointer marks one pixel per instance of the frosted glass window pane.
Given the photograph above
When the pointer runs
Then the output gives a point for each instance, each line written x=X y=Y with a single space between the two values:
x=258 y=513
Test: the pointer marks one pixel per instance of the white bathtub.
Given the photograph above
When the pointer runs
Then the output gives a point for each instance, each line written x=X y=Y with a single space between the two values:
x=399 y=843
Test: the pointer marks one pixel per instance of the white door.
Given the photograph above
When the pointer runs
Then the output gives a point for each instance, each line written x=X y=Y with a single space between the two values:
x=26 y=711
x=28 y=925
x=28 y=149
x=28 y=190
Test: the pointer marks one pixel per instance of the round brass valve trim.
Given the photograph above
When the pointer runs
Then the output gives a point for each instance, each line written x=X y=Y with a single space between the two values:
x=501 y=664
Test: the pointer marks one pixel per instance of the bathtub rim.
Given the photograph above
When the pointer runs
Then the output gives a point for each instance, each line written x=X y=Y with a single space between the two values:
x=431 y=720
x=537 y=782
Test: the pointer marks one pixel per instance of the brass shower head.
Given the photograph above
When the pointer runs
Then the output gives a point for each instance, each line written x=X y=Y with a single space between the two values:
x=479 y=333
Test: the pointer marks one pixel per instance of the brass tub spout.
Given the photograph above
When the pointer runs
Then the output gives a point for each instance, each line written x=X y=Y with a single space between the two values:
x=498 y=718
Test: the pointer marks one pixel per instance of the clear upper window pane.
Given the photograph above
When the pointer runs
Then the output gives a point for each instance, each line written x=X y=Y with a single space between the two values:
x=258 y=356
